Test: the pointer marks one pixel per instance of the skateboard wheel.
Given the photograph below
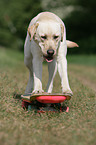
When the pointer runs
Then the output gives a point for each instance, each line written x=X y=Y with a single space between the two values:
x=67 y=110
x=24 y=105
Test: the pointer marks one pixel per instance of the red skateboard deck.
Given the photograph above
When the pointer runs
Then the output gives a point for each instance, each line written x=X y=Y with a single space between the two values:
x=45 y=97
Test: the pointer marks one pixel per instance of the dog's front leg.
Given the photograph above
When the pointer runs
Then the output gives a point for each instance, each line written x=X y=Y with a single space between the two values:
x=37 y=73
x=52 y=68
x=62 y=69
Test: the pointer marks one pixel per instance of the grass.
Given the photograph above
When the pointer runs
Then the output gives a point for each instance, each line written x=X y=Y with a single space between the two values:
x=18 y=127
x=88 y=60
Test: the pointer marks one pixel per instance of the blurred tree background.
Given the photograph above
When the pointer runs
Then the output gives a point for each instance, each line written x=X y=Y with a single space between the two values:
x=15 y=16
x=78 y=16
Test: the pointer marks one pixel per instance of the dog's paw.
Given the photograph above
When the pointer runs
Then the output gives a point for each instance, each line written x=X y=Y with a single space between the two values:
x=38 y=91
x=68 y=93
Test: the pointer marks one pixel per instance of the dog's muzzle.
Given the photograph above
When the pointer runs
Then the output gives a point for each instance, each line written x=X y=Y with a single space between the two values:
x=49 y=56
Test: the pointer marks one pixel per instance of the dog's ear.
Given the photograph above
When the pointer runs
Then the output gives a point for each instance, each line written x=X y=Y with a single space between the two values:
x=71 y=44
x=32 y=30
x=62 y=32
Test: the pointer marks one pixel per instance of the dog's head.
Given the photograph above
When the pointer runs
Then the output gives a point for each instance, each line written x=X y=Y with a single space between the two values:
x=48 y=36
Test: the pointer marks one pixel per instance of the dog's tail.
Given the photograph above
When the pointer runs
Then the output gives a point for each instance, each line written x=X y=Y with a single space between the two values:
x=71 y=44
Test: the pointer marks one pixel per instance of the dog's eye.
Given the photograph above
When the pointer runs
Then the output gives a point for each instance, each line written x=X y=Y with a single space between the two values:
x=44 y=37
x=55 y=37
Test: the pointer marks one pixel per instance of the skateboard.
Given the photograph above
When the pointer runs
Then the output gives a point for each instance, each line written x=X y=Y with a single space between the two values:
x=45 y=102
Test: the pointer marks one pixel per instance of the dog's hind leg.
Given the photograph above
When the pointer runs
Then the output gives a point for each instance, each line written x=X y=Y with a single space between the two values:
x=52 y=68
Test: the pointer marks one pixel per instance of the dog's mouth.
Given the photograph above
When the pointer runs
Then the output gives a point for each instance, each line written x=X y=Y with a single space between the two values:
x=48 y=58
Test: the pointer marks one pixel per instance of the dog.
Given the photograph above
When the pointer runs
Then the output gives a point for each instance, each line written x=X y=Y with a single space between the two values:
x=46 y=39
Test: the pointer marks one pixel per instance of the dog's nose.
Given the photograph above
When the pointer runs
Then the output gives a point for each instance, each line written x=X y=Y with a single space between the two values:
x=50 y=52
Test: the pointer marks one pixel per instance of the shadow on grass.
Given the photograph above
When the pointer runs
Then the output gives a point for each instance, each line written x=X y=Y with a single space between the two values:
x=17 y=96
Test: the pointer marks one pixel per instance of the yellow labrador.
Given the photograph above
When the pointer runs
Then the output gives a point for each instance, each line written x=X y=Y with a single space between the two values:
x=46 y=39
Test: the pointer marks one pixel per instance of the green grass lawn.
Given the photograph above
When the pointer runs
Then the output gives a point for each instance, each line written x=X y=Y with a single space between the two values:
x=19 y=127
